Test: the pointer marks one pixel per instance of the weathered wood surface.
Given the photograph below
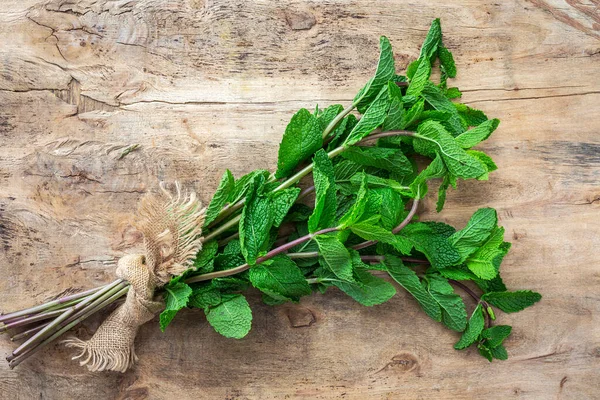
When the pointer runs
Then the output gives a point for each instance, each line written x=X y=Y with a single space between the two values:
x=206 y=85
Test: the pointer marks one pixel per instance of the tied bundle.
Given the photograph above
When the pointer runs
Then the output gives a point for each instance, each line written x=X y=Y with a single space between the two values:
x=340 y=212
x=172 y=228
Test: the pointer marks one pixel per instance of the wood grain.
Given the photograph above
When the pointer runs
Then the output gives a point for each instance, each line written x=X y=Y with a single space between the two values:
x=204 y=85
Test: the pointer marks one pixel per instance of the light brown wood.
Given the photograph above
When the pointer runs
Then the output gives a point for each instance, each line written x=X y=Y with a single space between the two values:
x=206 y=85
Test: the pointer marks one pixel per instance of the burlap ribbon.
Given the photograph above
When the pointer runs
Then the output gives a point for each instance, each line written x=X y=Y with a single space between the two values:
x=172 y=228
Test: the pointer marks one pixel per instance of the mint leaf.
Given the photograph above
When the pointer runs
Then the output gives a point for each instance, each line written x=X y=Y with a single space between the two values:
x=281 y=202
x=327 y=115
x=243 y=184
x=470 y=116
x=368 y=290
x=474 y=328
x=409 y=280
x=176 y=297
x=232 y=318
x=442 y=194
x=385 y=72
x=499 y=353
x=434 y=96
x=496 y=335
x=280 y=278
x=203 y=263
x=511 y=302
x=432 y=41
x=446 y=61
x=323 y=215
x=205 y=296
x=393 y=120
x=392 y=208
x=254 y=225
x=454 y=314
x=485 y=262
x=485 y=160
x=392 y=160
x=435 y=169
x=431 y=138
x=373 y=232
x=335 y=256
x=302 y=137
x=224 y=190
x=478 y=229
x=412 y=114
x=371 y=119
x=358 y=207
x=437 y=248
x=476 y=135
x=420 y=79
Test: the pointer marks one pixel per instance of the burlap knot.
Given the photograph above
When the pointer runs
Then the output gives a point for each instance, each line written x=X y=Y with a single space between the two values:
x=172 y=228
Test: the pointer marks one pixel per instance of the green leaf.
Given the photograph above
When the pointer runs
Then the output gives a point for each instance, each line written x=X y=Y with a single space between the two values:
x=454 y=314
x=419 y=79
x=224 y=190
x=434 y=97
x=302 y=137
x=368 y=290
x=470 y=116
x=499 y=353
x=176 y=297
x=476 y=135
x=435 y=169
x=243 y=184
x=485 y=160
x=392 y=160
x=373 y=232
x=446 y=61
x=231 y=256
x=412 y=114
x=442 y=194
x=485 y=262
x=232 y=318
x=392 y=208
x=478 y=229
x=203 y=263
x=511 y=302
x=205 y=296
x=280 y=278
x=496 y=335
x=281 y=202
x=453 y=93
x=358 y=207
x=474 y=328
x=409 y=280
x=323 y=215
x=485 y=352
x=432 y=41
x=335 y=256
x=431 y=138
x=371 y=119
x=393 y=120
x=327 y=115
x=385 y=72
x=437 y=248
x=254 y=225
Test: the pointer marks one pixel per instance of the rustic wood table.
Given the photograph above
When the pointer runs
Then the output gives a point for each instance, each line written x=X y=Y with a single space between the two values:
x=204 y=85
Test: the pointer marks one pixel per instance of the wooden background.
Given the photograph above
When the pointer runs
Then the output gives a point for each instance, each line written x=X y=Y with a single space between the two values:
x=204 y=85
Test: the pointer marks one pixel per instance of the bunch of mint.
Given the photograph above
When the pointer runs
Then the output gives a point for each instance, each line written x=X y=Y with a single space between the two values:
x=262 y=231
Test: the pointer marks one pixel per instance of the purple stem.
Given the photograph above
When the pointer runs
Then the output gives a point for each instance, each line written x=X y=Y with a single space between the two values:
x=29 y=320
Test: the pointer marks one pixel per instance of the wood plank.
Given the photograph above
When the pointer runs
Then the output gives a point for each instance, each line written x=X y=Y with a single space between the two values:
x=206 y=85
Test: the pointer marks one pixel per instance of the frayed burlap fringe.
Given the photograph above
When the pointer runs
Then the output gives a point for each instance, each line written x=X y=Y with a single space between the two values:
x=172 y=228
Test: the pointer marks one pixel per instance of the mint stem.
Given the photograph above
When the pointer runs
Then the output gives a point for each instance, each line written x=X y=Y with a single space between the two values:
x=475 y=297
x=278 y=250
x=46 y=306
